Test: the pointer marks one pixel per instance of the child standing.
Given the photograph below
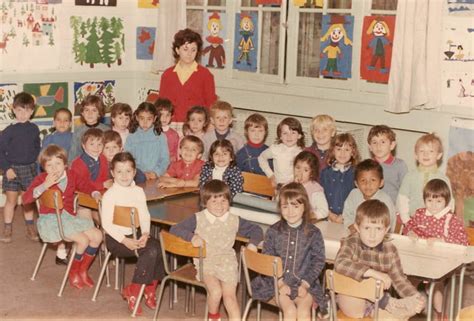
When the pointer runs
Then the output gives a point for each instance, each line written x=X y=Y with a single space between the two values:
x=62 y=136
x=92 y=110
x=120 y=116
x=186 y=171
x=338 y=178
x=366 y=254
x=221 y=119
x=80 y=230
x=428 y=152
x=256 y=132
x=290 y=143
x=323 y=129
x=165 y=111
x=217 y=228
x=306 y=172
x=300 y=245
x=146 y=142
x=369 y=178
x=119 y=241
x=382 y=143
x=221 y=166
x=197 y=121
x=19 y=148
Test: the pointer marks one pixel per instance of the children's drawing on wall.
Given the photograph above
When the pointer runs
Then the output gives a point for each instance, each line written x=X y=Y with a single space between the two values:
x=45 y=127
x=105 y=3
x=98 y=40
x=458 y=89
x=152 y=96
x=246 y=42
x=148 y=4
x=458 y=39
x=48 y=97
x=104 y=89
x=376 y=50
x=272 y=2
x=7 y=92
x=461 y=7
x=308 y=3
x=336 y=46
x=214 y=39
x=145 y=42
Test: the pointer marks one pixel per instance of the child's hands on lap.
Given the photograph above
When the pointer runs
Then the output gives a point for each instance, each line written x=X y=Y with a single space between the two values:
x=10 y=174
x=303 y=289
x=131 y=244
x=197 y=241
x=143 y=239
x=387 y=281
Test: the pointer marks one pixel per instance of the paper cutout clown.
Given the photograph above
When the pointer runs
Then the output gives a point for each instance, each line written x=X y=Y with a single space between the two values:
x=380 y=31
x=246 y=42
x=215 y=49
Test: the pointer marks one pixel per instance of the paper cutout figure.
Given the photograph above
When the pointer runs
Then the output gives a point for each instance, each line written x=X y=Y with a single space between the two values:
x=145 y=42
x=215 y=49
x=148 y=4
x=246 y=40
x=152 y=96
x=104 y=89
x=336 y=46
x=7 y=92
x=48 y=97
x=105 y=3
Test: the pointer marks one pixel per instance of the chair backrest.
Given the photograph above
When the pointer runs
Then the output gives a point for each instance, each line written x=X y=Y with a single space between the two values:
x=123 y=216
x=258 y=184
x=470 y=235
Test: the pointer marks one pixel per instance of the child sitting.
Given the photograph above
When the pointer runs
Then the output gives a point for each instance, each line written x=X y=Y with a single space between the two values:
x=366 y=254
x=197 y=122
x=300 y=245
x=305 y=169
x=62 y=136
x=165 y=111
x=221 y=166
x=120 y=117
x=221 y=119
x=323 y=129
x=382 y=143
x=256 y=132
x=369 y=178
x=289 y=144
x=216 y=228
x=80 y=230
x=428 y=152
x=186 y=171
x=149 y=269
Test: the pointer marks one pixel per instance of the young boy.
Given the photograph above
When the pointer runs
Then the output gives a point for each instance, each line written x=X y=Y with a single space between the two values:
x=323 y=129
x=369 y=179
x=366 y=254
x=382 y=143
x=62 y=135
x=428 y=152
x=256 y=132
x=120 y=116
x=221 y=119
x=165 y=109
x=185 y=172
x=19 y=148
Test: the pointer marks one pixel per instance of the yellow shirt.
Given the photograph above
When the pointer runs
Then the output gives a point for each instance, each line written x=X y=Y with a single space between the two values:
x=184 y=72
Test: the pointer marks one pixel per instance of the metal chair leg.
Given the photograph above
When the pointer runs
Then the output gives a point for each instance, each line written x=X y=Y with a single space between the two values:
x=461 y=288
x=259 y=311
x=247 y=309
x=160 y=296
x=101 y=276
x=186 y=299
x=122 y=271
x=66 y=275
x=117 y=268
x=193 y=301
x=40 y=259
x=137 y=303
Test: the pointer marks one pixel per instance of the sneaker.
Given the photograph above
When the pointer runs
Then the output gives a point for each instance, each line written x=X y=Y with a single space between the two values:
x=404 y=308
x=31 y=233
x=7 y=234
x=60 y=261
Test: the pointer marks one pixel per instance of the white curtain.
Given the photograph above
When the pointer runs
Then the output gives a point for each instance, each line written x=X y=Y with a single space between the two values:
x=171 y=18
x=415 y=75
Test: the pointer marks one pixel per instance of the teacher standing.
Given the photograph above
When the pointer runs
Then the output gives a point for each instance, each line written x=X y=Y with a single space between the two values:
x=187 y=83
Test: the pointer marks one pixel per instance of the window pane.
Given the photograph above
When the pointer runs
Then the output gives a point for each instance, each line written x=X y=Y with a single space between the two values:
x=195 y=2
x=194 y=20
x=309 y=45
x=216 y=2
x=384 y=4
x=270 y=34
x=339 y=4
x=249 y=3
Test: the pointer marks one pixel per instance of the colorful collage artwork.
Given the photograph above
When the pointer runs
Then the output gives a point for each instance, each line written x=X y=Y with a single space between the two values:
x=7 y=92
x=145 y=42
x=148 y=4
x=461 y=7
x=214 y=34
x=104 y=89
x=48 y=97
x=246 y=41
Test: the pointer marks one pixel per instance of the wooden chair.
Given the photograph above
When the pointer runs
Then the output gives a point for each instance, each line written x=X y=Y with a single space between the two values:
x=466 y=314
x=258 y=184
x=187 y=273
x=470 y=239
x=53 y=199
x=369 y=289
x=264 y=265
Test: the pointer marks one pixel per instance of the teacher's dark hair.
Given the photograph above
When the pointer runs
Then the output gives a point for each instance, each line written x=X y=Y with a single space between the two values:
x=190 y=36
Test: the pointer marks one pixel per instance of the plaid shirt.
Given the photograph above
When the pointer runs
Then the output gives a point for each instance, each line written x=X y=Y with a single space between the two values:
x=354 y=259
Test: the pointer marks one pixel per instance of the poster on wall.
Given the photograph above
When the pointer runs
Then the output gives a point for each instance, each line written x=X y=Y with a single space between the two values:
x=98 y=40
x=376 y=49
x=48 y=97
x=145 y=42
x=246 y=41
x=460 y=7
x=7 y=92
x=148 y=4
x=103 y=3
x=271 y=2
x=104 y=89
x=308 y=3
x=336 y=46
x=458 y=89
x=458 y=40
x=214 y=35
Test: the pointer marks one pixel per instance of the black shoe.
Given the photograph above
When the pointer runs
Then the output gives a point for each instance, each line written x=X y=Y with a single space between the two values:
x=60 y=261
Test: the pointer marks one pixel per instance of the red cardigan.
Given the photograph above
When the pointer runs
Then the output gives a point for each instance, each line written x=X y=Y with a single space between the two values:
x=198 y=90
x=75 y=183
x=79 y=167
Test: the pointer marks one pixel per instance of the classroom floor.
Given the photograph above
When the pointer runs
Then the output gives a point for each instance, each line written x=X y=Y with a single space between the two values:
x=23 y=299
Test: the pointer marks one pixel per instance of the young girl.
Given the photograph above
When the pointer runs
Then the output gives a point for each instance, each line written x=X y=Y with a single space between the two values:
x=53 y=159
x=338 y=178
x=289 y=143
x=197 y=122
x=165 y=110
x=300 y=245
x=92 y=110
x=119 y=241
x=146 y=142
x=217 y=228
x=221 y=165
x=120 y=117
x=306 y=172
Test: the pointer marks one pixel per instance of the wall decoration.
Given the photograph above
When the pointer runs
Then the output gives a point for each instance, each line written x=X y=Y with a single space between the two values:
x=148 y=4
x=45 y=127
x=275 y=2
x=461 y=7
x=308 y=3
x=246 y=41
x=458 y=89
x=105 y=3
x=98 y=40
x=152 y=96
x=48 y=97
x=458 y=39
x=145 y=42
x=214 y=33
x=376 y=49
x=336 y=46
x=7 y=92
x=104 y=89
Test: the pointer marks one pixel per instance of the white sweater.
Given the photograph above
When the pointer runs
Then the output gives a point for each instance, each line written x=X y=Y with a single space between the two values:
x=283 y=158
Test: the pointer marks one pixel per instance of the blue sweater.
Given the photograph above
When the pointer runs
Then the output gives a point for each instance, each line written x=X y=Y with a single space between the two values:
x=150 y=150
x=337 y=186
x=20 y=144
x=63 y=140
